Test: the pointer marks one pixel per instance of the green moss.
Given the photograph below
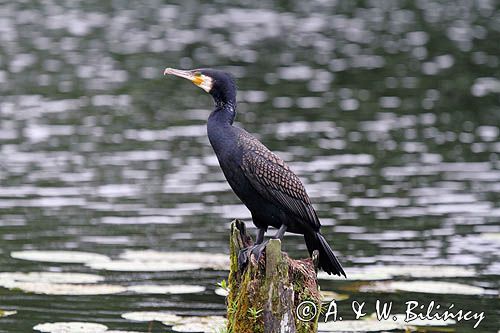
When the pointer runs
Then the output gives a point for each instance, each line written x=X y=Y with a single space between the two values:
x=245 y=300
x=265 y=291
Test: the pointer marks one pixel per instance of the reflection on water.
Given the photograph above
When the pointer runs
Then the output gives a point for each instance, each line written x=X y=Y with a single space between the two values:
x=388 y=112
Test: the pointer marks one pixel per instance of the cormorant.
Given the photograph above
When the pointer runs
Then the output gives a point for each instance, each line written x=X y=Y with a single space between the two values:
x=274 y=195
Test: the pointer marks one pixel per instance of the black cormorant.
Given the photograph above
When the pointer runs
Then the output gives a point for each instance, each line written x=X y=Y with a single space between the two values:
x=264 y=183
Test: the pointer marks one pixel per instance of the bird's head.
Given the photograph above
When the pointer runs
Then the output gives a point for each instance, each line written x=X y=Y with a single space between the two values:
x=221 y=85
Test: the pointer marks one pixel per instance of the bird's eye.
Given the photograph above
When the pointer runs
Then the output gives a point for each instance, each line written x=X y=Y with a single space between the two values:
x=197 y=74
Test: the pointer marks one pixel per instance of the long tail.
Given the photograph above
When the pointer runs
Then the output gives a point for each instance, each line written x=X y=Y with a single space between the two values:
x=327 y=260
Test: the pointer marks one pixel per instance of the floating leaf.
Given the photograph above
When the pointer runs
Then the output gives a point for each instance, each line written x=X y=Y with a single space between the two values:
x=422 y=271
x=329 y=296
x=155 y=261
x=354 y=274
x=167 y=317
x=65 y=288
x=494 y=236
x=207 y=324
x=74 y=257
x=142 y=266
x=203 y=259
x=50 y=277
x=358 y=326
x=58 y=283
x=431 y=287
x=70 y=327
x=74 y=327
x=7 y=313
x=400 y=318
x=371 y=324
x=372 y=273
x=181 y=323
x=170 y=289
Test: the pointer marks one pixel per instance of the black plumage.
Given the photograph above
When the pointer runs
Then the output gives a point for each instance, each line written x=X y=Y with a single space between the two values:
x=274 y=195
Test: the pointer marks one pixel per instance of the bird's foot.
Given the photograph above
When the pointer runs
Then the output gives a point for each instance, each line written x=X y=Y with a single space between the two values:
x=257 y=250
x=243 y=258
x=245 y=254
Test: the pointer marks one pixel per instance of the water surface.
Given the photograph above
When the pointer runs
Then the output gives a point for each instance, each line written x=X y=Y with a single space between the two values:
x=387 y=110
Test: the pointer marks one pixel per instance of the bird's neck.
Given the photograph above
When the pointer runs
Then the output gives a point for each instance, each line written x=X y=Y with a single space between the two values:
x=223 y=114
x=219 y=129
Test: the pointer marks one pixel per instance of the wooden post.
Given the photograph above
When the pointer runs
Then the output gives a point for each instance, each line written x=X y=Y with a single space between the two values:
x=263 y=298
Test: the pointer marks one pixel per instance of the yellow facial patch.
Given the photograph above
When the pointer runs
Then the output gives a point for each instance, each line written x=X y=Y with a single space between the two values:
x=198 y=80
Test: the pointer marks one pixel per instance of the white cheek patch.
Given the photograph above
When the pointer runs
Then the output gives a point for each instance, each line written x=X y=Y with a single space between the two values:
x=207 y=83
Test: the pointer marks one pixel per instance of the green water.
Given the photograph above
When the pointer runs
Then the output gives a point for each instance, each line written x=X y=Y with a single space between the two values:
x=389 y=111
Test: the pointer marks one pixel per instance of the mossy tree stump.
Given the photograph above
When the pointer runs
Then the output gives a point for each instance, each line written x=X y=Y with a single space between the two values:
x=265 y=295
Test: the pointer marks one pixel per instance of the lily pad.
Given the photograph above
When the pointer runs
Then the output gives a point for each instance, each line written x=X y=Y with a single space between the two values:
x=166 y=317
x=74 y=257
x=430 y=287
x=371 y=324
x=203 y=259
x=179 y=323
x=356 y=275
x=170 y=289
x=49 y=277
x=329 y=296
x=58 y=283
x=143 y=266
x=493 y=236
x=372 y=273
x=76 y=327
x=155 y=261
x=358 y=326
x=400 y=318
x=7 y=313
x=47 y=288
x=70 y=327
x=209 y=324
x=422 y=271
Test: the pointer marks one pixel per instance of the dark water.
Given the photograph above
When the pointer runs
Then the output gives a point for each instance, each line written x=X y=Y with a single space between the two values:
x=388 y=110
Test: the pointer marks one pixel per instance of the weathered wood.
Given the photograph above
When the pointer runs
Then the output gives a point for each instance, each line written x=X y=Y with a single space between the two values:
x=264 y=296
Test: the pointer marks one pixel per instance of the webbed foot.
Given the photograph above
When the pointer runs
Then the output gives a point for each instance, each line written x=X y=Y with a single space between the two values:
x=258 y=249
x=245 y=254
x=243 y=258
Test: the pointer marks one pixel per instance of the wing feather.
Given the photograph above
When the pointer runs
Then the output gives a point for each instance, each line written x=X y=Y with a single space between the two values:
x=274 y=180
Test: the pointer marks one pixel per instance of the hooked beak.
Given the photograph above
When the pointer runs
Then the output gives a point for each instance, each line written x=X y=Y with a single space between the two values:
x=203 y=81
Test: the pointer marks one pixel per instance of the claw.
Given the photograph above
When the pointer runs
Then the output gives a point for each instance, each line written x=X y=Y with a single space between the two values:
x=257 y=250
x=245 y=254
x=243 y=259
